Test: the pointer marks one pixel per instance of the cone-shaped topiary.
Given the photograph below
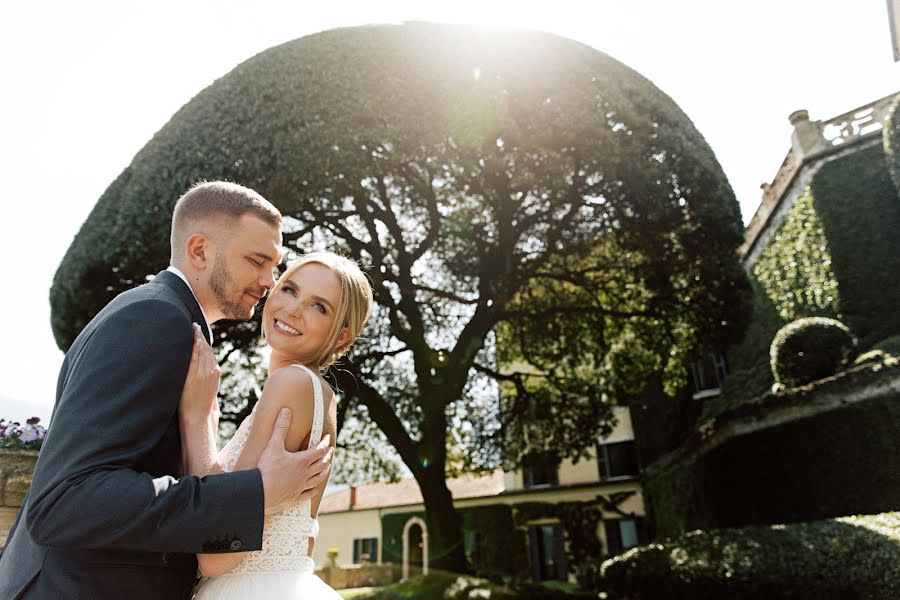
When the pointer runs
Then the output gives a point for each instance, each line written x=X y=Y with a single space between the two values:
x=809 y=349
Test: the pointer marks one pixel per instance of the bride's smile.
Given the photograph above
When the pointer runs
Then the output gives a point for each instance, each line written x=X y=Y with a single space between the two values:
x=282 y=326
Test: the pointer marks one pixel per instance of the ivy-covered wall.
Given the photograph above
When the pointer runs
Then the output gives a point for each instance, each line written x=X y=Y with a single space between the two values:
x=835 y=255
x=860 y=212
x=794 y=270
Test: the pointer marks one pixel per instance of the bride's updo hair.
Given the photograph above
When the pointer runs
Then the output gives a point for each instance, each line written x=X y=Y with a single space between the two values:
x=353 y=308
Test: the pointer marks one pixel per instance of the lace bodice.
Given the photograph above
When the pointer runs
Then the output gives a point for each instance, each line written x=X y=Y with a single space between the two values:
x=285 y=544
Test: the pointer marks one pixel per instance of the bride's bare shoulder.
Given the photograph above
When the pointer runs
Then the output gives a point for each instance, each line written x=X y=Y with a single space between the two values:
x=293 y=388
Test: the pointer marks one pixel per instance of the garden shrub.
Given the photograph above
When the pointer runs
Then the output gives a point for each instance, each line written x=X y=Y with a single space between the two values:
x=859 y=209
x=451 y=586
x=846 y=558
x=840 y=458
x=890 y=345
x=886 y=350
x=810 y=349
x=891 y=140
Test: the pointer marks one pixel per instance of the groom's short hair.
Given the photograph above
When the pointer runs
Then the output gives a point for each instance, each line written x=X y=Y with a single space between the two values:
x=221 y=201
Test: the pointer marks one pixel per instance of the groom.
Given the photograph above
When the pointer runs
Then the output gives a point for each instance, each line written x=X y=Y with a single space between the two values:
x=110 y=514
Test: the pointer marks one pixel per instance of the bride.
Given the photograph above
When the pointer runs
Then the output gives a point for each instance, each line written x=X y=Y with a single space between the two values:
x=314 y=313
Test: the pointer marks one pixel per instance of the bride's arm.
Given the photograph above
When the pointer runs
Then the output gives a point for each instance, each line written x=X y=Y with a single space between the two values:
x=287 y=387
x=329 y=427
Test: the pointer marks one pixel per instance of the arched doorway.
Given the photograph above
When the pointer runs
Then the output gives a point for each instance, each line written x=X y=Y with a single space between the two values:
x=415 y=545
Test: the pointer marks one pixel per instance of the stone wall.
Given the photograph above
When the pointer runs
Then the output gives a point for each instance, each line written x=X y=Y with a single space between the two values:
x=354 y=576
x=16 y=467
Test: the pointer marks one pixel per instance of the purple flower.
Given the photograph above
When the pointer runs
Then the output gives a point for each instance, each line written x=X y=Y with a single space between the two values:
x=33 y=420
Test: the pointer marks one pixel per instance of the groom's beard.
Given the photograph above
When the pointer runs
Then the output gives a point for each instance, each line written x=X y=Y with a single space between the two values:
x=222 y=285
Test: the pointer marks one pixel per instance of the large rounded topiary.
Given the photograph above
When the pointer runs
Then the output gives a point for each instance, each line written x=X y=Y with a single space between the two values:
x=485 y=179
x=809 y=349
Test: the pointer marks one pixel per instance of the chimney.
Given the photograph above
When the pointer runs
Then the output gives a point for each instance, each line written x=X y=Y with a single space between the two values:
x=807 y=138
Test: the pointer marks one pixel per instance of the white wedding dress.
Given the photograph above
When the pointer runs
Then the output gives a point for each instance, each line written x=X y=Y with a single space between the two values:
x=283 y=568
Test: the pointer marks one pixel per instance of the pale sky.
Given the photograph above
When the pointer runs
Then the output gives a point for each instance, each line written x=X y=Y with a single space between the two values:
x=84 y=85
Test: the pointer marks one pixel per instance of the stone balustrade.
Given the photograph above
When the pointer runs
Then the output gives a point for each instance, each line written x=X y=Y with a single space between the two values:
x=811 y=140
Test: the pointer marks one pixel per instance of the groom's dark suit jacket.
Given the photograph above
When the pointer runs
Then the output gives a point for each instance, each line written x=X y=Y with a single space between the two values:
x=109 y=514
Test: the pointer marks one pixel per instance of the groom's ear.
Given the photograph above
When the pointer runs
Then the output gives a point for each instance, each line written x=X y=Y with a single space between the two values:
x=198 y=250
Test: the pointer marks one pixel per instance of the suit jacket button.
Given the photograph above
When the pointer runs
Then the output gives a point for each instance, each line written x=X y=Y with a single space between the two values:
x=236 y=545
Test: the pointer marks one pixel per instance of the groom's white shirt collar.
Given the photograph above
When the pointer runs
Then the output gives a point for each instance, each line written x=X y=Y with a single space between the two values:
x=206 y=326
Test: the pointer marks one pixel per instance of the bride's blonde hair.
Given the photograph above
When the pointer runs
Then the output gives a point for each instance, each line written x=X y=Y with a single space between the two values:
x=352 y=310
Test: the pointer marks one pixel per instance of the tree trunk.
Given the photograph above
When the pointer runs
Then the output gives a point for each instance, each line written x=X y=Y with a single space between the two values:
x=445 y=538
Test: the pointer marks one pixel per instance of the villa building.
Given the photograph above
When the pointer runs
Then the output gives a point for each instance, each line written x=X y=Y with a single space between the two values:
x=512 y=521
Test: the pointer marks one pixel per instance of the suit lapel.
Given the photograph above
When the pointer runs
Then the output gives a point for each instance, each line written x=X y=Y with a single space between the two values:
x=184 y=293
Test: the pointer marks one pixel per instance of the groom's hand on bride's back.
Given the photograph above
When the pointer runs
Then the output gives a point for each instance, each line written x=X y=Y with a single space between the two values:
x=291 y=477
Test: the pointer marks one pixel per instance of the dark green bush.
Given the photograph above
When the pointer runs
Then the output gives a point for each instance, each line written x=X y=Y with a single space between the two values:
x=587 y=574
x=451 y=586
x=886 y=350
x=889 y=345
x=810 y=349
x=846 y=558
x=892 y=140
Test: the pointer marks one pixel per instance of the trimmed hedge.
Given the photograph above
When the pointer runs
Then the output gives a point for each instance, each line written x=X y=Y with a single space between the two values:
x=844 y=558
x=838 y=461
x=860 y=212
x=451 y=586
x=882 y=351
x=892 y=140
x=810 y=349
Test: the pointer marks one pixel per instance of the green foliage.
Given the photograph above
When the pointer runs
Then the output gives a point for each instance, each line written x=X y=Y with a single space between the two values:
x=810 y=349
x=889 y=345
x=891 y=138
x=833 y=256
x=749 y=373
x=502 y=527
x=844 y=457
x=844 y=558
x=579 y=522
x=503 y=549
x=860 y=212
x=670 y=493
x=885 y=350
x=451 y=586
x=795 y=268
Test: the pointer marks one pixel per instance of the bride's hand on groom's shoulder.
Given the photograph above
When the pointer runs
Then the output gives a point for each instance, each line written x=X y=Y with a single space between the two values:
x=291 y=477
x=199 y=403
